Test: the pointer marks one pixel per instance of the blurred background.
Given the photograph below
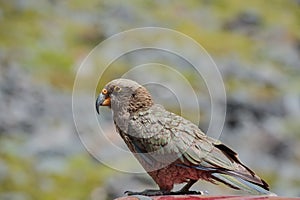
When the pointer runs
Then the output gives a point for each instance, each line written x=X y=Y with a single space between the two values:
x=255 y=44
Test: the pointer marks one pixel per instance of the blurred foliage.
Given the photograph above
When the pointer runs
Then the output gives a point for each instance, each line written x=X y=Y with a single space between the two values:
x=21 y=175
x=50 y=38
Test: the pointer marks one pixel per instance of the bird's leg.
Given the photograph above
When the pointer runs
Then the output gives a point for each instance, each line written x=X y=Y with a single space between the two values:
x=185 y=189
x=148 y=193
x=188 y=186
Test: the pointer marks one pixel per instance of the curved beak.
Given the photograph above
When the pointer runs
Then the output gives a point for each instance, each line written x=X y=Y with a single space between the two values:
x=102 y=100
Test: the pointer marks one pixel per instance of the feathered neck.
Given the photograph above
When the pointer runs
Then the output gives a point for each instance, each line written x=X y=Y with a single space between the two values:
x=140 y=100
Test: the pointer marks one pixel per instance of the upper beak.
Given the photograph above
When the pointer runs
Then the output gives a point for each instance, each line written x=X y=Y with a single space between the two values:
x=102 y=100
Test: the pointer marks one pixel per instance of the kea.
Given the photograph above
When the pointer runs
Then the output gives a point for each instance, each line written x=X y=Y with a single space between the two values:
x=170 y=148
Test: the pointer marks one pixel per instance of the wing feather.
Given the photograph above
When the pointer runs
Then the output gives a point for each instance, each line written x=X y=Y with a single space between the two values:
x=164 y=134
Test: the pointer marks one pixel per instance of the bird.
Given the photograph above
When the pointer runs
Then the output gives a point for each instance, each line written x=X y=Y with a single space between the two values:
x=171 y=148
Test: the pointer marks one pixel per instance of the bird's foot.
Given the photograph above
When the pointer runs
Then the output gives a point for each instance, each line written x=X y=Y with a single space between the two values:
x=148 y=193
x=162 y=192
x=183 y=192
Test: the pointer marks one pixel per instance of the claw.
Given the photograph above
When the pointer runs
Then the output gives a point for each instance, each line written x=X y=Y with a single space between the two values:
x=161 y=193
x=147 y=193
x=187 y=192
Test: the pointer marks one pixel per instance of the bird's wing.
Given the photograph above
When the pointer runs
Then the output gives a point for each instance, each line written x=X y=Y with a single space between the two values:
x=164 y=137
x=158 y=132
x=163 y=134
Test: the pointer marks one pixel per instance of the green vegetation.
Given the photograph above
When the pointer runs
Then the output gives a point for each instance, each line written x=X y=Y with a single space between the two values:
x=22 y=174
x=54 y=36
x=51 y=38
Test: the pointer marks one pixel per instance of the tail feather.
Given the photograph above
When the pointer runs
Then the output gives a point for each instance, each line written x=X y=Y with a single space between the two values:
x=239 y=183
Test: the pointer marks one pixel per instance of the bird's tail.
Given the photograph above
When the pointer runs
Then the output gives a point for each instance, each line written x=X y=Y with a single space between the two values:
x=239 y=183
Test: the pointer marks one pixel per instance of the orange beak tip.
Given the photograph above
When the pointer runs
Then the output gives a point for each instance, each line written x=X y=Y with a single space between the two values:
x=106 y=102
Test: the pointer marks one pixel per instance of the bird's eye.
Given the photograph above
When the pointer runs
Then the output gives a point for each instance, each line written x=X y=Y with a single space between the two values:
x=104 y=91
x=117 y=89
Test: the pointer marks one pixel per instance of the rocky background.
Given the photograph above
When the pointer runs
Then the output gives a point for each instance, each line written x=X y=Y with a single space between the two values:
x=256 y=46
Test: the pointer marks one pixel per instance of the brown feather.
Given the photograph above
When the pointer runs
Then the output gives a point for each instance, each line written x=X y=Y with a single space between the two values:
x=252 y=177
x=140 y=100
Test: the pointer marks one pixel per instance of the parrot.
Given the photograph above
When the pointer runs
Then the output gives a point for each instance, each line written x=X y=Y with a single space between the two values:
x=170 y=148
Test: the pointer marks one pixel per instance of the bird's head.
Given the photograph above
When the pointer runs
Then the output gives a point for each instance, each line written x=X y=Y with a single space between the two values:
x=124 y=95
